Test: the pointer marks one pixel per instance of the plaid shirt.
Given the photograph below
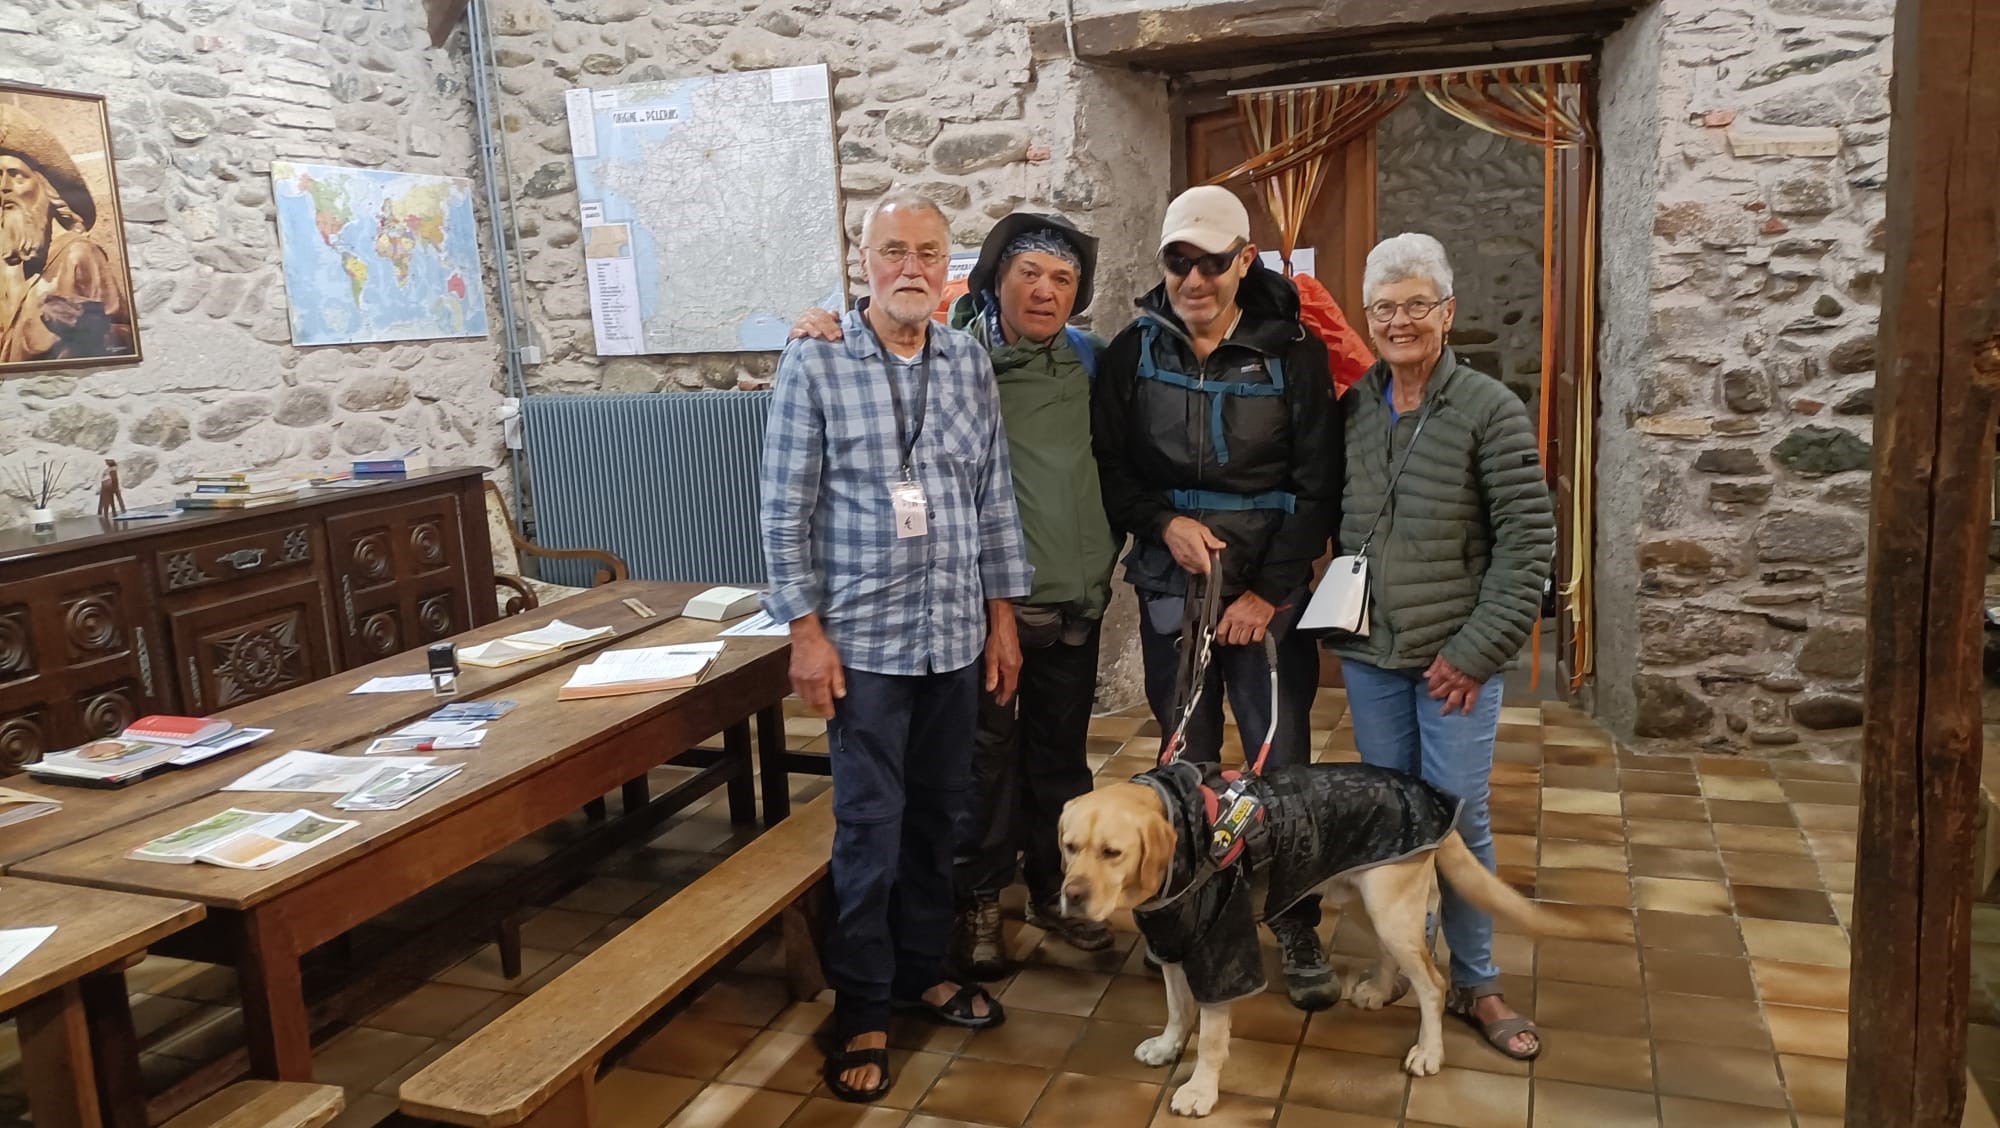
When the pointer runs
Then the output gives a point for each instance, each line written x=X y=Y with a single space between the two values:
x=909 y=605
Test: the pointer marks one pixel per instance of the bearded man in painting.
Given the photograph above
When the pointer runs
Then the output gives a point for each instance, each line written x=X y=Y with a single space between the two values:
x=61 y=297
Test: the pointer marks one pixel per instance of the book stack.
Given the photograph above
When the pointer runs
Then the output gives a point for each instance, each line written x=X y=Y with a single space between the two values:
x=523 y=645
x=647 y=669
x=174 y=742
x=412 y=461
x=239 y=489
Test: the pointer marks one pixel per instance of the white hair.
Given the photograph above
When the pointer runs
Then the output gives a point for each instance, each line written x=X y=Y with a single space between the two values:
x=1400 y=258
x=903 y=199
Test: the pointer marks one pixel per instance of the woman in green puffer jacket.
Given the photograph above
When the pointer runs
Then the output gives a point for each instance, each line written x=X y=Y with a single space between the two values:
x=1445 y=488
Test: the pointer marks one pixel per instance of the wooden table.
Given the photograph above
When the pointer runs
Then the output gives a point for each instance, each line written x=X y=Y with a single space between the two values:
x=539 y=763
x=81 y=966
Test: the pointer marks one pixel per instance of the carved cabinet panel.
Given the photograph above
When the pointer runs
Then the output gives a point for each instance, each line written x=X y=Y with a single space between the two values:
x=251 y=646
x=400 y=576
x=76 y=657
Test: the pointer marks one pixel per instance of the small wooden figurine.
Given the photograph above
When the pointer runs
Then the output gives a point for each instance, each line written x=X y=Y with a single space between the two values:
x=110 y=499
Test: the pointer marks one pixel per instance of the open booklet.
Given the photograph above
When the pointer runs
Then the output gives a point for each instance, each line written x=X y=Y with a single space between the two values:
x=243 y=839
x=523 y=645
x=20 y=806
x=640 y=670
x=320 y=773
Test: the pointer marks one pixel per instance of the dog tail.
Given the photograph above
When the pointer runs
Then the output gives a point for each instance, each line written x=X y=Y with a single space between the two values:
x=1478 y=885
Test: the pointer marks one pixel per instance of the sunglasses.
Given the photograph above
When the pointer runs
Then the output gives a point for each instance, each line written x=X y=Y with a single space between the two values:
x=1211 y=266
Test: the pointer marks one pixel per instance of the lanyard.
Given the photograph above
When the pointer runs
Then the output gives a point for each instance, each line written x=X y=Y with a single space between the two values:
x=909 y=444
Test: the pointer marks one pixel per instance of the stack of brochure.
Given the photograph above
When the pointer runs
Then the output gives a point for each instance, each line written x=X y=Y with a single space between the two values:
x=117 y=761
x=523 y=645
x=642 y=669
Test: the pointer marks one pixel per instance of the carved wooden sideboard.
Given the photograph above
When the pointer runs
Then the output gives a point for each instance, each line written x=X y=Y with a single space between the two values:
x=102 y=622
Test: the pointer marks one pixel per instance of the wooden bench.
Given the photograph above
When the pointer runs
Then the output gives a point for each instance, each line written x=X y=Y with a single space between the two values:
x=265 y=1104
x=537 y=1064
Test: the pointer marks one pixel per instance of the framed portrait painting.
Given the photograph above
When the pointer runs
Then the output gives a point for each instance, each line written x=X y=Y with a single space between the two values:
x=65 y=277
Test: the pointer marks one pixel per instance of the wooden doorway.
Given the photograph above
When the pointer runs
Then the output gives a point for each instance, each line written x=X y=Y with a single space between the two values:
x=1341 y=227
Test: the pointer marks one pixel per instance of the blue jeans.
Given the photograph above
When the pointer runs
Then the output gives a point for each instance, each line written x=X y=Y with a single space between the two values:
x=1397 y=725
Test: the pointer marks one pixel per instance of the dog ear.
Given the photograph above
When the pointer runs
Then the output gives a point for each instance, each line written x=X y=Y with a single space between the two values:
x=1156 y=854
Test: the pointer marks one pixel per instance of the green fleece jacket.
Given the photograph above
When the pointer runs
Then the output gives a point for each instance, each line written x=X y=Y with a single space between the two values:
x=1045 y=408
x=1461 y=553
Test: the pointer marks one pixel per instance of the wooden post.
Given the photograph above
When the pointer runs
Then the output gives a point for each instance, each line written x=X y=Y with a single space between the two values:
x=1937 y=370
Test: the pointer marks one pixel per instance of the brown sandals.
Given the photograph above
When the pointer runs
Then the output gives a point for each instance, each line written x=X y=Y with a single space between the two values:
x=1500 y=1035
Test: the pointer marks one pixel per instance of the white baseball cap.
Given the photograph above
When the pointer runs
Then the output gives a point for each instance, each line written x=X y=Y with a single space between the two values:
x=1209 y=217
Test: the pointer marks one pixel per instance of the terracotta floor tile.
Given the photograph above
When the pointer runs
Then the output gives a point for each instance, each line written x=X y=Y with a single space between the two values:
x=1576 y=801
x=985 y=1091
x=1389 y=1032
x=1801 y=985
x=1515 y=849
x=1231 y=1111
x=1583 y=779
x=1266 y=1017
x=1742 y=812
x=1677 y=895
x=1803 y=1030
x=1838 y=877
x=605 y=895
x=1576 y=961
x=690 y=1047
x=642 y=1099
x=1074 y=1098
x=1349 y=1082
x=1608 y=829
x=1708 y=1020
x=1104 y=1049
x=482 y=969
x=1659 y=783
x=1692 y=973
x=1513 y=953
x=1306 y=1116
x=1560 y=1104
x=1742 y=789
x=1604 y=924
x=827 y=1112
x=915 y=1032
x=1058 y=991
x=911 y=1074
x=1596 y=1010
x=1519 y=821
x=1810 y=769
x=1026 y=1038
x=1570 y=756
x=359 y=1057
x=432 y=1010
x=777 y=1060
x=1982 y=1051
x=1590 y=1058
x=561 y=929
x=1470 y=1099
x=742 y=1000
x=1794 y=942
x=367 y=1109
x=1761 y=840
x=1772 y=870
x=1806 y=906
x=1827 y=816
x=1583 y=887
x=1559 y=853
x=717 y=1106
x=1817 y=1085
x=810 y=1016
x=1254 y=1069
x=1844 y=793
x=1683 y=808
x=1667 y=832
x=1686 y=865
x=1135 y=999
x=1686 y=1112
x=1718 y=1073
x=1831 y=845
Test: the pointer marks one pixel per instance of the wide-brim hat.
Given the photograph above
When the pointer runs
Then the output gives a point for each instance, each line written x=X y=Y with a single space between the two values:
x=22 y=136
x=980 y=281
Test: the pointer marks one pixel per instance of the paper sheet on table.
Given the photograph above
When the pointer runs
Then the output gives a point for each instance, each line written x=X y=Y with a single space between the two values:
x=16 y=943
x=646 y=663
x=401 y=683
x=760 y=625
x=438 y=728
x=320 y=773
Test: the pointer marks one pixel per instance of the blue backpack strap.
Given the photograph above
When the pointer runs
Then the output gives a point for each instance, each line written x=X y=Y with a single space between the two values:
x=1219 y=390
x=1086 y=355
x=1187 y=500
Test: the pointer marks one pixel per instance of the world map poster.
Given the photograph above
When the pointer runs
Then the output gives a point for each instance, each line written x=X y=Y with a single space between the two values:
x=372 y=256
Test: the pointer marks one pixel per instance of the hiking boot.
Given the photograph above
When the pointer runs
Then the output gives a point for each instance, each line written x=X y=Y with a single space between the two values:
x=1309 y=983
x=1083 y=935
x=977 y=948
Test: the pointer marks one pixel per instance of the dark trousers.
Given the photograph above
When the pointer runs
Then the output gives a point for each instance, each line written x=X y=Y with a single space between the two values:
x=1244 y=673
x=1029 y=762
x=901 y=753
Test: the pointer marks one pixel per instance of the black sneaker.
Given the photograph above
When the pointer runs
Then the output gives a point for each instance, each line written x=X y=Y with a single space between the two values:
x=1309 y=983
x=978 y=949
x=1083 y=935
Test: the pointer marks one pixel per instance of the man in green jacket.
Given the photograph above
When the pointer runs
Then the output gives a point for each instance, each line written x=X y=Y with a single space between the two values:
x=1034 y=273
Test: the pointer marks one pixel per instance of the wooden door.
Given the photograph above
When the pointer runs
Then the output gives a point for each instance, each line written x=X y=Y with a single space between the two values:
x=253 y=645
x=401 y=577
x=75 y=659
x=1341 y=226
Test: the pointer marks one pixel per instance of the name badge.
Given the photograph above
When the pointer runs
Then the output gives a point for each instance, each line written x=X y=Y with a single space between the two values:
x=912 y=515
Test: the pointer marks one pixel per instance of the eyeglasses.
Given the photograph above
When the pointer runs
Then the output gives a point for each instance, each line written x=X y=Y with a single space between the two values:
x=895 y=254
x=1383 y=313
x=1211 y=266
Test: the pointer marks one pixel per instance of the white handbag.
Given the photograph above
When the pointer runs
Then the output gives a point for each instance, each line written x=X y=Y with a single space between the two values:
x=1340 y=603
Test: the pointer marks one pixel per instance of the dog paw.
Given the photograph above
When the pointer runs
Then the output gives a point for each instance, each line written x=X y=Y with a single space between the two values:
x=1367 y=996
x=1192 y=1101
x=1423 y=1061
x=1158 y=1050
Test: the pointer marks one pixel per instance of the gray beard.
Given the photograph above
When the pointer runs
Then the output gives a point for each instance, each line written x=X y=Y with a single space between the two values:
x=22 y=238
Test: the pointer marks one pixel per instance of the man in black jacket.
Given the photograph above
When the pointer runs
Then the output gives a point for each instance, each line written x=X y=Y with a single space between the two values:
x=1216 y=429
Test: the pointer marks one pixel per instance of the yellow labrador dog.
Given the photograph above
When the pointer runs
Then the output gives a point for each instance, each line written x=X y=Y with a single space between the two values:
x=1145 y=846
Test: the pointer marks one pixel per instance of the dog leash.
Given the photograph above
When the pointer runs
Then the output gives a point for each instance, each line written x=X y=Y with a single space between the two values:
x=1198 y=629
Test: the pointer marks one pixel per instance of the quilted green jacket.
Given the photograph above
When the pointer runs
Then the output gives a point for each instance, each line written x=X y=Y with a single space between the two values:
x=1460 y=556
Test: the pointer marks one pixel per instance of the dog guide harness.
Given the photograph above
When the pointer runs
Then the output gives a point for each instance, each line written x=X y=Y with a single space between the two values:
x=1248 y=846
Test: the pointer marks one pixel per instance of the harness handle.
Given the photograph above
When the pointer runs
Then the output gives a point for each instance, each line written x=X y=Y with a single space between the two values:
x=1197 y=643
x=1270 y=733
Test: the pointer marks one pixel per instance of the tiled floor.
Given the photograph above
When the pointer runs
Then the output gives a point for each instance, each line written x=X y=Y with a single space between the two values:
x=1711 y=992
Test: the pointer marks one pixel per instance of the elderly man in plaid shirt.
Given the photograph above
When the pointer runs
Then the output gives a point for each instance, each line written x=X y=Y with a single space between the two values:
x=894 y=548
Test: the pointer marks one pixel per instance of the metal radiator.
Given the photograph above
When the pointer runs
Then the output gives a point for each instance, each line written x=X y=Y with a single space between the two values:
x=667 y=481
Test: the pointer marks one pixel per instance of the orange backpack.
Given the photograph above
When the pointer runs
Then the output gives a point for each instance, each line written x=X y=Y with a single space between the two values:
x=1346 y=355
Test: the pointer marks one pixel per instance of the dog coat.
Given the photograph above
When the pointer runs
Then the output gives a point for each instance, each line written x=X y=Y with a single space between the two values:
x=1320 y=821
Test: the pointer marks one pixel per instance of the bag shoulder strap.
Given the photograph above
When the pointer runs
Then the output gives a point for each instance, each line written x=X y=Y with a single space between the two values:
x=1085 y=354
x=1395 y=475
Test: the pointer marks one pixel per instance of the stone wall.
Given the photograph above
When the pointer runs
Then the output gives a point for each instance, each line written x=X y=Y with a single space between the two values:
x=1738 y=357
x=1481 y=195
x=202 y=96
